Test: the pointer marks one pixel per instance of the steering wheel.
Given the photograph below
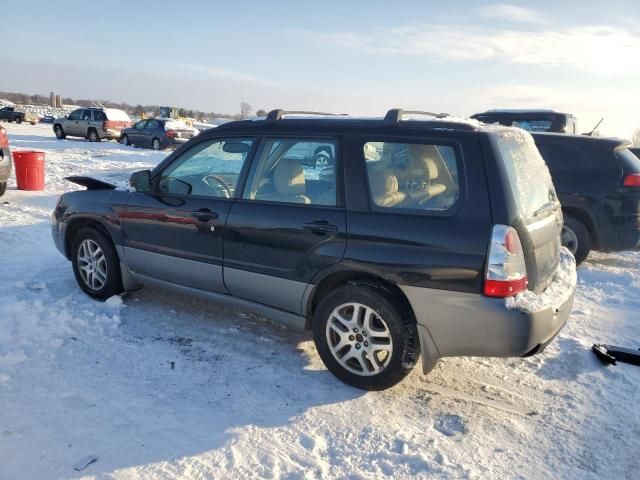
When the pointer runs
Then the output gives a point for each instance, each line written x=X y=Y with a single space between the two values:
x=221 y=184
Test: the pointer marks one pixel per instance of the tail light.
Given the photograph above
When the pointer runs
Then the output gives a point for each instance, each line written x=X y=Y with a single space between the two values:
x=4 y=141
x=632 y=180
x=170 y=133
x=506 y=269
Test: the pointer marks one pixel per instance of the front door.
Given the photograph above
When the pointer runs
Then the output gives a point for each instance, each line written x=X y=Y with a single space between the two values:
x=287 y=226
x=175 y=233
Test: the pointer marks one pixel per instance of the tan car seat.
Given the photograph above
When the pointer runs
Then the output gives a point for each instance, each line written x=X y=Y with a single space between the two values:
x=384 y=188
x=420 y=179
x=288 y=183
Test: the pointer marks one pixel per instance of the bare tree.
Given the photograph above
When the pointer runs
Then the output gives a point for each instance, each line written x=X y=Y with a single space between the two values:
x=636 y=138
x=245 y=110
x=261 y=113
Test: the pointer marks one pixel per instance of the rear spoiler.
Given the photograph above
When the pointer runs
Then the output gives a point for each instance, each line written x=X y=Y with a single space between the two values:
x=91 y=183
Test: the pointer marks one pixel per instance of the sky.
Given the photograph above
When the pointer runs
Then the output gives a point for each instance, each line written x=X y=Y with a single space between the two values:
x=358 y=57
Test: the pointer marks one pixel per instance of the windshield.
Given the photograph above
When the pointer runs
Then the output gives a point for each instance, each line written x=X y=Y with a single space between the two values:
x=527 y=171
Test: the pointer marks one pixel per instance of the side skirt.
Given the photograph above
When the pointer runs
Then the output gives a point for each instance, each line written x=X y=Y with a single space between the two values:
x=291 y=320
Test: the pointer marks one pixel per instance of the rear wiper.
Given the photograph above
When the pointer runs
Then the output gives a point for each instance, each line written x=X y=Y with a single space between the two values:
x=547 y=207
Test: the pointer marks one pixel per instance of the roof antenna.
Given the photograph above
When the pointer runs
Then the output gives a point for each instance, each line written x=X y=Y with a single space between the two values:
x=590 y=134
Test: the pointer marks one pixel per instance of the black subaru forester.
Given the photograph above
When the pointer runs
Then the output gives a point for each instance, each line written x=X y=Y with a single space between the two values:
x=425 y=235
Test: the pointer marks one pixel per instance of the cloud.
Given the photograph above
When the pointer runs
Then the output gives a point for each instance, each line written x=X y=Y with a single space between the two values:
x=597 y=49
x=222 y=73
x=511 y=13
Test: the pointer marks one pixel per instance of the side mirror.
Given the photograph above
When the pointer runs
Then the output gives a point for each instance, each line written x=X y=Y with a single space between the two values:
x=141 y=181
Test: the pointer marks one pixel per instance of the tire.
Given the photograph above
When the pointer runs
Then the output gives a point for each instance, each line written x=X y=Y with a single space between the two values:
x=59 y=131
x=109 y=268
x=125 y=140
x=155 y=144
x=18 y=120
x=3 y=188
x=387 y=313
x=93 y=136
x=576 y=237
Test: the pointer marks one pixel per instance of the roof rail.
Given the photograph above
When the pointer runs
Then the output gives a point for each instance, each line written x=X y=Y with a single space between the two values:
x=275 y=115
x=394 y=116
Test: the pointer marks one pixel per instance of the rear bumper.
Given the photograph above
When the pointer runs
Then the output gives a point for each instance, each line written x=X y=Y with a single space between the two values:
x=468 y=324
x=111 y=134
x=5 y=164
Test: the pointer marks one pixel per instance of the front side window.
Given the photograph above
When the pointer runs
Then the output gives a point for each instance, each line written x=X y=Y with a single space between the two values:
x=412 y=176
x=76 y=114
x=209 y=169
x=294 y=171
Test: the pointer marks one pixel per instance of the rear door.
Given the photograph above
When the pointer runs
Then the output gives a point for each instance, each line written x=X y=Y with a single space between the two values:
x=150 y=131
x=536 y=212
x=175 y=233
x=289 y=224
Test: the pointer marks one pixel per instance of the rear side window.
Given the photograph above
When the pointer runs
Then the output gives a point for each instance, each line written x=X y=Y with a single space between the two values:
x=290 y=170
x=413 y=176
x=99 y=116
x=528 y=174
x=86 y=115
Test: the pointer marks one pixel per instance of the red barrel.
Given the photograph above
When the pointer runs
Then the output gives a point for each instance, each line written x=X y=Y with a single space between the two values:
x=29 y=167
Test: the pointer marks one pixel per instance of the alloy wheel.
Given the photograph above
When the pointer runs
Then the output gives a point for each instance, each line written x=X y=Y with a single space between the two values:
x=359 y=339
x=92 y=264
x=569 y=239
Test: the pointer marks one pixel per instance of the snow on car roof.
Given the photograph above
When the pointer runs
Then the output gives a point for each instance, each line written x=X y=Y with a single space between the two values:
x=116 y=114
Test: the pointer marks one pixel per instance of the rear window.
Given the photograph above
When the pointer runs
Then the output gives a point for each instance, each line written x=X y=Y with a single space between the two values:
x=116 y=115
x=629 y=160
x=528 y=173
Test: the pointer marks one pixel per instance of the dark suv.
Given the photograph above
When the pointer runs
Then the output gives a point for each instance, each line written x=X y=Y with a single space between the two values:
x=422 y=236
x=598 y=183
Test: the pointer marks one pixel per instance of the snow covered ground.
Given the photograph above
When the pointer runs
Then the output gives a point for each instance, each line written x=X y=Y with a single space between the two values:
x=162 y=386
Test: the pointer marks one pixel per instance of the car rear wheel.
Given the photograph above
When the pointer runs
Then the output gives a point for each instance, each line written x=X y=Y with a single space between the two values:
x=95 y=264
x=18 y=120
x=93 y=135
x=3 y=188
x=58 y=130
x=125 y=139
x=155 y=144
x=364 y=337
x=576 y=237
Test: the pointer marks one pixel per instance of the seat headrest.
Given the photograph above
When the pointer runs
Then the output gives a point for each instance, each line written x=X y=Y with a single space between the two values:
x=383 y=182
x=422 y=156
x=288 y=177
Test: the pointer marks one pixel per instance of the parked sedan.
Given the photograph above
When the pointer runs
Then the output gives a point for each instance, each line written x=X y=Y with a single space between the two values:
x=158 y=133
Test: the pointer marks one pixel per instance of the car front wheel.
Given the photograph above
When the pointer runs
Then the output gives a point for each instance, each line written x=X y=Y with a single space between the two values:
x=95 y=264
x=365 y=337
x=58 y=130
x=155 y=144
x=125 y=139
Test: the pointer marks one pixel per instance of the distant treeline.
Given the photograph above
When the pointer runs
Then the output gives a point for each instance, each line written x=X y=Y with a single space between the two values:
x=136 y=110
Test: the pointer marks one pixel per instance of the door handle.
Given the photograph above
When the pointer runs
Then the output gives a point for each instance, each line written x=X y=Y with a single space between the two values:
x=320 y=227
x=204 y=215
